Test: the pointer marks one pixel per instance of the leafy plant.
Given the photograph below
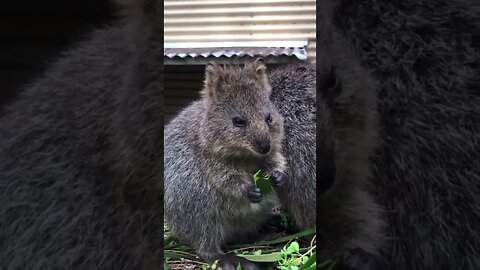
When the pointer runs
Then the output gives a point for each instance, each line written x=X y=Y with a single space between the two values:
x=292 y=259
x=289 y=257
x=262 y=181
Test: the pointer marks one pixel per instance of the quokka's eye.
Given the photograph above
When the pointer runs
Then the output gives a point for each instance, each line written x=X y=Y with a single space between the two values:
x=239 y=122
x=268 y=119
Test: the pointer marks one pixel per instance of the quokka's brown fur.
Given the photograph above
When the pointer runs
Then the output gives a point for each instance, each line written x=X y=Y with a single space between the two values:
x=210 y=162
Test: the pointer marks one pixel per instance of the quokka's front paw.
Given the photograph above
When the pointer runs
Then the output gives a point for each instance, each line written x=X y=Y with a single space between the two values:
x=278 y=178
x=254 y=195
x=359 y=259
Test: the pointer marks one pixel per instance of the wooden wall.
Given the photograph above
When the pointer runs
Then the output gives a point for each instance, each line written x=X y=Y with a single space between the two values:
x=182 y=86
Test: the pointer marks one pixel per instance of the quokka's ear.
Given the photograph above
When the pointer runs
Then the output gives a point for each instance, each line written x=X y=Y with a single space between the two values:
x=260 y=70
x=259 y=67
x=212 y=74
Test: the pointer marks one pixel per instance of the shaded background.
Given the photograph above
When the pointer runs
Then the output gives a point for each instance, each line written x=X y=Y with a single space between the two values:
x=33 y=33
x=424 y=55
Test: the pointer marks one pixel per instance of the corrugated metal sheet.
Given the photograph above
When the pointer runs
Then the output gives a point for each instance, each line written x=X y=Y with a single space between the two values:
x=242 y=20
x=300 y=53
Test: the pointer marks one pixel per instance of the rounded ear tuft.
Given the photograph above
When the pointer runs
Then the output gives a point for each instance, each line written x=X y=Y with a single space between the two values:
x=259 y=66
x=260 y=70
x=259 y=61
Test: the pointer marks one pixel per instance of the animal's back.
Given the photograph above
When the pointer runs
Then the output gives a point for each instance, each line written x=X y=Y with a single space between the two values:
x=294 y=93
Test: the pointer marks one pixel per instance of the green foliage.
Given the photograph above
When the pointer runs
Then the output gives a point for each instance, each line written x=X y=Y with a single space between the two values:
x=292 y=259
x=262 y=181
x=212 y=266
x=269 y=257
x=291 y=256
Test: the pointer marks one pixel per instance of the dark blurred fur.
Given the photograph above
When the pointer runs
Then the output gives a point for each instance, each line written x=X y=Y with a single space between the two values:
x=80 y=164
x=424 y=55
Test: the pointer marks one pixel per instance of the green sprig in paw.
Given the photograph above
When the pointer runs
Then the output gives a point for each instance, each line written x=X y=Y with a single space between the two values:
x=262 y=181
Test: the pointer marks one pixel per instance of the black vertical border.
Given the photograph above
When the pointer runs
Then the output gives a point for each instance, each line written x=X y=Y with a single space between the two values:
x=317 y=83
x=160 y=22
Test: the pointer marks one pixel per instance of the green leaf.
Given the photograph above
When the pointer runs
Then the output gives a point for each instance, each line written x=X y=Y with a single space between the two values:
x=287 y=238
x=293 y=267
x=264 y=185
x=258 y=252
x=310 y=261
x=293 y=248
x=166 y=266
x=262 y=181
x=167 y=241
x=270 y=257
x=297 y=261
x=215 y=264
x=304 y=259
x=239 y=267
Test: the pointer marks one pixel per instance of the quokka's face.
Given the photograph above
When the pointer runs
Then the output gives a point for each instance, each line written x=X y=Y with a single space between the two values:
x=243 y=114
x=248 y=124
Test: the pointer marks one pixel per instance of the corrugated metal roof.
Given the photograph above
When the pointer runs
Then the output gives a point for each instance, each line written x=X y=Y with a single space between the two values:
x=193 y=21
x=298 y=52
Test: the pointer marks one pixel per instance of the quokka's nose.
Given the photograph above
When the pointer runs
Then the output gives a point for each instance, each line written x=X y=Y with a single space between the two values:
x=264 y=146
